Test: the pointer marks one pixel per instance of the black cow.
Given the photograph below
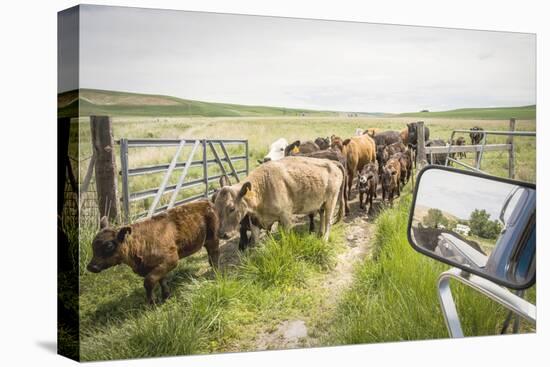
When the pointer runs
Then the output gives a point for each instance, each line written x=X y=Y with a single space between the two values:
x=438 y=158
x=385 y=137
x=323 y=143
x=298 y=147
x=413 y=134
x=476 y=135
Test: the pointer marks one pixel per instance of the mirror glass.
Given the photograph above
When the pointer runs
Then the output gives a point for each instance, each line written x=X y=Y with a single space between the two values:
x=479 y=224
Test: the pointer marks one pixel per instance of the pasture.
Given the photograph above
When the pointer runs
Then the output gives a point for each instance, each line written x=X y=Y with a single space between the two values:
x=365 y=285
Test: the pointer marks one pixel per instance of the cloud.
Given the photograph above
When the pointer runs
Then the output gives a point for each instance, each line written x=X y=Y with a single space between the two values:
x=303 y=63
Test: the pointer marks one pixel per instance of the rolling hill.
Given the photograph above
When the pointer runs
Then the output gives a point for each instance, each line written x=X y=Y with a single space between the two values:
x=498 y=113
x=103 y=102
x=114 y=103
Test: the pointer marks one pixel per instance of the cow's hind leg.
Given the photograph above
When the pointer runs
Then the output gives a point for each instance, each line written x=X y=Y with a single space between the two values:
x=369 y=199
x=322 y=220
x=351 y=175
x=165 y=289
x=311 y=222
x=345 y=195
x=213 y=250
x=329 y=212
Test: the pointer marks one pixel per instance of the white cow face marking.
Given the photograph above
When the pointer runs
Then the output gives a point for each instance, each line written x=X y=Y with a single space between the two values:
x=276 y=150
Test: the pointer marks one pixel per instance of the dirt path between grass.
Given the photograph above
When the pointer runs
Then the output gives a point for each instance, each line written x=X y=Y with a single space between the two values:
x=307 y=331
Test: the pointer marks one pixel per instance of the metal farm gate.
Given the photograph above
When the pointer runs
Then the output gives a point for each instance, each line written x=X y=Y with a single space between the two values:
x=213 y=152
x=448 y=150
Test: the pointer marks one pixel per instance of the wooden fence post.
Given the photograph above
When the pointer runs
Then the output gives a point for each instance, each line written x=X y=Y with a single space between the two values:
x=105 y=166
x=512 y=151
x=420 y=146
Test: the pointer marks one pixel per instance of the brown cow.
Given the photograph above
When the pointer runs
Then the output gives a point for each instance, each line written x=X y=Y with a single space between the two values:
x=406 y=166
x=152 y=247
x=396 y=148
x=368 y=183
x=382 y=157
x=358 y=150
x=404 y=134
x=391 y=176
x=460 y=141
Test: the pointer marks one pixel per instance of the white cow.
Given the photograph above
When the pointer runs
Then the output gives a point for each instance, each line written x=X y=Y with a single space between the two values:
x=276 y=151
x=358 y=131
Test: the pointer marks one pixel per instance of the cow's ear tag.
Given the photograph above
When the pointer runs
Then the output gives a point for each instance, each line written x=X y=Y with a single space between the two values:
x=296 y=150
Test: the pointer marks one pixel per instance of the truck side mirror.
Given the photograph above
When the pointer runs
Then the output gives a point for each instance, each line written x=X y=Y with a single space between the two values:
x=482 y=224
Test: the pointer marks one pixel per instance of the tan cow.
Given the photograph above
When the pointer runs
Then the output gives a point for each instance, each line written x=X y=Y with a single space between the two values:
x=359 y=151
x=371 y=131
x=276 y=190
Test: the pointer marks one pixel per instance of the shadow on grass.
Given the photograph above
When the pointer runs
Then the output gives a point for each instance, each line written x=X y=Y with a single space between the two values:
x=119 y=308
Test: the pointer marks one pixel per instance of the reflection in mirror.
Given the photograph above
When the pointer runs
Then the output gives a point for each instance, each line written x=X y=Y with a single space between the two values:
x=476 y=223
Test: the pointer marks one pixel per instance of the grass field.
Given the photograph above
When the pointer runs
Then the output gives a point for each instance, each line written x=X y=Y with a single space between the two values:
x=262 y=131
x=392 y=295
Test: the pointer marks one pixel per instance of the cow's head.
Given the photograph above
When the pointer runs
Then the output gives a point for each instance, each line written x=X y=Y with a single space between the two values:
x=323 y=143
x=231 y=207
x=367 y=177
x=293 y=148
x=388 y=176
x=276 y=151
x=336 y=143
x=382 y=154
x=411 y=128
x=106 y=246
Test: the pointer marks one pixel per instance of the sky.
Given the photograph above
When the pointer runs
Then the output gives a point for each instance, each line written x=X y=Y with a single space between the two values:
x=314 y=64
x=459 y=195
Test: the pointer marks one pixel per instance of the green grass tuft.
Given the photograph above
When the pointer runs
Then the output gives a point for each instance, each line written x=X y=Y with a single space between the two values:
x=286 y=258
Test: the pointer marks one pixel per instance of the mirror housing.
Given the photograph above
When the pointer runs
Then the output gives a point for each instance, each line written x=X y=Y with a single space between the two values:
x=482 y=224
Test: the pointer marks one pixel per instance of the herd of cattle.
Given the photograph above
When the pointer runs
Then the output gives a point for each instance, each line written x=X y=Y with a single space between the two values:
x=299 y=178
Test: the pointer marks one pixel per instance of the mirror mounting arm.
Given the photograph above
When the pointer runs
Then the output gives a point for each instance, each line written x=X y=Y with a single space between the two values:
x=492 y=290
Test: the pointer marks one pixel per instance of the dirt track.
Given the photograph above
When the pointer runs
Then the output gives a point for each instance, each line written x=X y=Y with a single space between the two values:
x=307 y=330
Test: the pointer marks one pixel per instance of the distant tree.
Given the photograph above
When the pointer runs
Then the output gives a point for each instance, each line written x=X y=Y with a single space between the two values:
x=481 y=226
x=434 y=218
x=425 y=111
